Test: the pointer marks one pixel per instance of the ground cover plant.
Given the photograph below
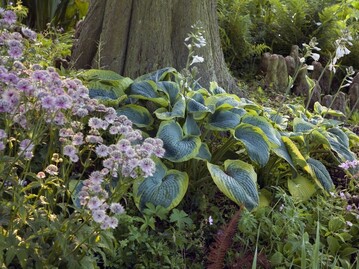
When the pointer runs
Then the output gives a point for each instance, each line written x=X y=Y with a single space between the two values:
x=96 y=169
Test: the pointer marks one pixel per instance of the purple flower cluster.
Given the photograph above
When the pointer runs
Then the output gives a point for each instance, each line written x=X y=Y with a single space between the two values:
x=93 y=196
x=35 y=102
x=13 y=41
x=349 y=164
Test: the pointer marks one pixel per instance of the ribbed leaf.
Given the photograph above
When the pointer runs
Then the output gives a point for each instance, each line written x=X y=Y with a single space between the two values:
x=178 y=148
x=166 y=188
x=196 y=105
x=139 y=115
x=223 y=101
x=264 y=125
x=159 y=75
x=190 y=127
x=296 y=155
x=223 y=120
x=100 y=74
x=171 y=89
x=321 y=173
x=300 y=125
x=282 y=151
x=341 y=136
x=255 y=141
x=343 y=152
x=178 y=110
x=301 y=188
x=204 y=153
x=238 y=182
x=146 y=90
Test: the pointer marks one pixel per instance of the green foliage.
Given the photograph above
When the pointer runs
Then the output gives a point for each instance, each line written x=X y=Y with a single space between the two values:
x=204 y=130
x=319 y=233
x=248 y=28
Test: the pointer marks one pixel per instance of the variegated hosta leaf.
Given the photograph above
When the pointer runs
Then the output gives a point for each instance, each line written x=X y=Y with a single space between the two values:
x=341 y=136
x=318 y=138
x=147 y=90
x=296 y=155
x=282 y=151
x=204 y=153
x=215 y=89
x=223 y=101
x=255 y=141
x=237 y=182
x=301 y=188
x=321 y=174
x=166 y=188
x=177 y=111
x=139 y=115
x=196 y=106
x=322 y=110
x=190 y=126
x=300 y=125
x=264 y=125
x=100 y=74
x=223 y=120
x=159 y=75
x=343 y=152
x=178 y=148
x=170 y=88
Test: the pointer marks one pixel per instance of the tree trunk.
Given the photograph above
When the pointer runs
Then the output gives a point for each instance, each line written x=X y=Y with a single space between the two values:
x=134 y=37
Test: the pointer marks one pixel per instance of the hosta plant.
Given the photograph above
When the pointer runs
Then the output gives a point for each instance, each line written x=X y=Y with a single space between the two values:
x=210 y=134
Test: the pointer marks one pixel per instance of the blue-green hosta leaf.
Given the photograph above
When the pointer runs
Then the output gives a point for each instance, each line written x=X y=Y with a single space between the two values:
x=223 y=120
x=215 y=89
x=100 y=74
x=223 y=101
x=300 y=125
x=166 y=188
x=343 y=152
x=196 y=106
x=321 y=173
x=147 y=90
x=170 y=88
x=159 y=75
x=106 y=96
x=75 y=187
x=178 y=148
x=139 y=115
x=237 y=182
x=264 y=125
x=178 y=110
x=190 y=126
x=255 y=141
x=204 y=153
x=301 y=188
x=317 y=137
x=282 y=151
x=341 y=136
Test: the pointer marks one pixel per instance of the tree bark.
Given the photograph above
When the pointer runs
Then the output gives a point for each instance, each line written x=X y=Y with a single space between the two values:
x=134 y=37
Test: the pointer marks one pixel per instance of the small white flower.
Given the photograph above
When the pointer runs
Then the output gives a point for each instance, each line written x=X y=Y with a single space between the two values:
x=197 y=59
x=315 y=56
x=210 y=220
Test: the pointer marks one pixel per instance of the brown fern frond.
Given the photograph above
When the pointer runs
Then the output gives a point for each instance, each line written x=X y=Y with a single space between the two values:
x=223 y=240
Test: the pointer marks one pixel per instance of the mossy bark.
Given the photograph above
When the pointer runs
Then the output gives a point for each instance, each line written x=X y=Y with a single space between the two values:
x=134 y=37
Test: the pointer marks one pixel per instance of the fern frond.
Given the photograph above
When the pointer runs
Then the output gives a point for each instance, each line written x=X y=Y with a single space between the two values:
x=223 y=240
